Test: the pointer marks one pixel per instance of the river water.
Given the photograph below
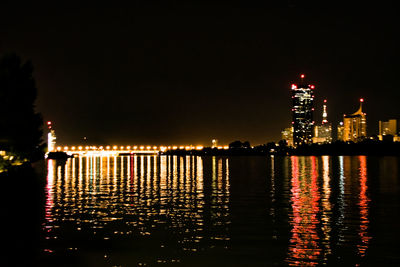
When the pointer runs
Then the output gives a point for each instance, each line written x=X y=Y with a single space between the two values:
x=219 y=211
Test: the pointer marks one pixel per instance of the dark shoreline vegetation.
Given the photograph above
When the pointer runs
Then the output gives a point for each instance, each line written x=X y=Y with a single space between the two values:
x=367 y=147
x=20 y=125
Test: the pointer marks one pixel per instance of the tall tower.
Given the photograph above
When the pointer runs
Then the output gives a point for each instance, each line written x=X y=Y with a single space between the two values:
x=324 y=114
x=51 y=138
x=355 y=125
x=323 y=132
x=302 y=112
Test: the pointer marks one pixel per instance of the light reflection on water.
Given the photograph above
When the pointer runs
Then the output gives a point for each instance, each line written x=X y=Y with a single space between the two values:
x=136 y=209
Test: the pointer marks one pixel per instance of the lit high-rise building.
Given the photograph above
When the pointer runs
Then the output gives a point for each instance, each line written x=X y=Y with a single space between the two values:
x=302 y=112
x=340 y=130
x=388 y=128
x=355 y=125
x=323 y=132
x=287 y=135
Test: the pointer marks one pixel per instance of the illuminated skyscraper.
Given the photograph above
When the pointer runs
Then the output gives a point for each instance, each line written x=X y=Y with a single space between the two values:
x=355 y=125
x=302 y=112
x=323 y=132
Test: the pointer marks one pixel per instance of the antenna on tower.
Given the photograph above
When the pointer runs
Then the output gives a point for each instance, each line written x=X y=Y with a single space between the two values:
x=324 y=113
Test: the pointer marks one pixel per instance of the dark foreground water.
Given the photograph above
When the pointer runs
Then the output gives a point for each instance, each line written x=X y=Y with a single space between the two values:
x=206 y=211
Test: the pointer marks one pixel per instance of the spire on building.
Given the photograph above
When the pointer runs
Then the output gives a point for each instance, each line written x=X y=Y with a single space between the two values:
x=324 y=114
x=359 y=111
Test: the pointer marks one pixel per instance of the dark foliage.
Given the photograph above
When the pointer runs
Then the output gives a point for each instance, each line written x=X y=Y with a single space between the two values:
x=20 y=126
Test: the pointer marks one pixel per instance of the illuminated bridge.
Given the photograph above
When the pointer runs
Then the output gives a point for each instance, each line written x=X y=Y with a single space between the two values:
x=121 y=150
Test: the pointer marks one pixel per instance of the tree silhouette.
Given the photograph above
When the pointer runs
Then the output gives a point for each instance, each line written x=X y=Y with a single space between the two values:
x=20 y=126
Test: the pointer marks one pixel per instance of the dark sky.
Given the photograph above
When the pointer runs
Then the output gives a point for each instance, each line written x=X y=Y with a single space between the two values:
x=178 y=73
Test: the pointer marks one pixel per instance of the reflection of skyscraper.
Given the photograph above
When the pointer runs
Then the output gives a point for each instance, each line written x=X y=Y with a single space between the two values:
x=355 y=125
x=323 y=132
x=302 y=113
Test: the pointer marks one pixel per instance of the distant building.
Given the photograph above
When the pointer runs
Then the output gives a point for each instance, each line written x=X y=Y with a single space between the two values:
x=51 y=138
x=302 y=113
x=214 y=143
x=355 y=125
x=388 y=128
x=340 y=130
x=287 y=135
x=323 y=132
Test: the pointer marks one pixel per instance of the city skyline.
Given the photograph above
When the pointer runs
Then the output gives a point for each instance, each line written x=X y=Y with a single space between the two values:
x=191 y=73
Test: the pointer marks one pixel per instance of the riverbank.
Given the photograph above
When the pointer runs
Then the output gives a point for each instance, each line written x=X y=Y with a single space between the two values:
x=334 y=149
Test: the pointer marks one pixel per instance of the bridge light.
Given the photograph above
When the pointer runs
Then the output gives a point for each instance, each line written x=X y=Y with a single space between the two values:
x=181 y=147
x=115 y=147
x=199 y=147
x=148 y=147
x=80 y=147
x=128 y=147
x=121 y=147
x=141 y=147
x=59 y=148
x=155 y=147
x=86 y=147
x=135 y=147
x=94 y=147
x=73 y=148
x=174 y=147
x=101 y=147
x=65 y=148
x=108 y=147
x=226 y=147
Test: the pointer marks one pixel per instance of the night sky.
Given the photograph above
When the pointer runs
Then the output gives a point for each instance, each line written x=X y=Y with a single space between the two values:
x=187 y=73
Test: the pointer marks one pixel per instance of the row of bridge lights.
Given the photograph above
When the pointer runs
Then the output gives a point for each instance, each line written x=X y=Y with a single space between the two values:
x=161 y=148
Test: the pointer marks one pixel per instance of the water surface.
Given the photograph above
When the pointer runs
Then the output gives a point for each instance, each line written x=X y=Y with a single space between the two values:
x=220 y=211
